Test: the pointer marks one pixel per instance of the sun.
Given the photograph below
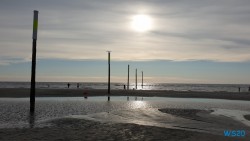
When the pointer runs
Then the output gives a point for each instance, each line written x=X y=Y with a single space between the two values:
x=141 y=23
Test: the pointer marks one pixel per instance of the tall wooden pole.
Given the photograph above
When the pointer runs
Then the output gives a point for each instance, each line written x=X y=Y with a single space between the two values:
x=128 y=78
x=142 y=79
x=109 y=75
x=33 y=67
x=136 y=79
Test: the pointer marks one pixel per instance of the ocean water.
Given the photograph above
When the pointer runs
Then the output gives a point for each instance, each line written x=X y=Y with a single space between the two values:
x=146 y=86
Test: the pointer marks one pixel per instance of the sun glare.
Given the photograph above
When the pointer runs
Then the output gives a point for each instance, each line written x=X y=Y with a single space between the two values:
x=141 y=23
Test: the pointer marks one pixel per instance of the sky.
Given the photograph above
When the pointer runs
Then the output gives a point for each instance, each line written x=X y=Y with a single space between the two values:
x=189 y=41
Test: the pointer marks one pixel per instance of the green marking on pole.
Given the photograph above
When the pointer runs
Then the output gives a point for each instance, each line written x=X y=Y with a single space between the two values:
x=35 y=25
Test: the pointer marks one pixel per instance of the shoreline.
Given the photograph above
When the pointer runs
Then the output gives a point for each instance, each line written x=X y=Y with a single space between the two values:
x=25 y=92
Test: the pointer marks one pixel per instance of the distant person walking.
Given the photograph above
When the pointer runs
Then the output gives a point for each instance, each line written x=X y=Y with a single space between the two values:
x=239 y=89
x=124 y=87
x=78 y=85
x=68 y=85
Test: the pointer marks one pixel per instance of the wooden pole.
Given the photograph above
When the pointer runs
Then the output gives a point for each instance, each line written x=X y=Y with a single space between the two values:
x=109 y=75
x=128 y=78
x=142 y=80
x=136 y=79
x=33 y=65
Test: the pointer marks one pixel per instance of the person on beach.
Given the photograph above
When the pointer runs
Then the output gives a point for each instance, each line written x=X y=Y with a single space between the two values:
x=78 y=85
x=68 y=85
x=239 y=89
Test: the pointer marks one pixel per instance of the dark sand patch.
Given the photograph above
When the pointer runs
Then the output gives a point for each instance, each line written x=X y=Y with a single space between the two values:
x=79 y=129
x=247 y=117
x=206 y=116
x=24 y=92
x=187 y=113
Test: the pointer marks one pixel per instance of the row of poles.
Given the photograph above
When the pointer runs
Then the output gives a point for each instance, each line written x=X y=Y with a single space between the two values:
x=127 y=80
x=135 y=79
x=33 y=67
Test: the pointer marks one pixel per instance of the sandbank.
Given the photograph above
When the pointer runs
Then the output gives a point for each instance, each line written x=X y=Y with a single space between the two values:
x=24 y=92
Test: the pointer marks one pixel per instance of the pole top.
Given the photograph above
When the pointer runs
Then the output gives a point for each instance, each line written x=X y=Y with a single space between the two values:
x=36 y=11
x=108 y=51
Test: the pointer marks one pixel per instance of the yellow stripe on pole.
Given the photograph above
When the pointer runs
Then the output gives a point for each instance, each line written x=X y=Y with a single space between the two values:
x=35 y=24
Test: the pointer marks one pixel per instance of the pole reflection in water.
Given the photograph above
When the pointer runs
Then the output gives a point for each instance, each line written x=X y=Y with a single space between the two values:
x=31 y=119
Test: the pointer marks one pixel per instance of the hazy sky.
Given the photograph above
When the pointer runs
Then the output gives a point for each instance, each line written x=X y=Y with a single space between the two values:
x=190 y=41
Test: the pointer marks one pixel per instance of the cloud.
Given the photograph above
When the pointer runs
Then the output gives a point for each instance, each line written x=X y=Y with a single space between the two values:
x=183 y=30
x=7 y=61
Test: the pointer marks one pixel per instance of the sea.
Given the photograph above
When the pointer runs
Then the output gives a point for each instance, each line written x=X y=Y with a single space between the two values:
x=146 y=86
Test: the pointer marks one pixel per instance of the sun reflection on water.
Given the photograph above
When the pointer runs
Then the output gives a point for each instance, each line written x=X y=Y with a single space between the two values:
x=138 y=104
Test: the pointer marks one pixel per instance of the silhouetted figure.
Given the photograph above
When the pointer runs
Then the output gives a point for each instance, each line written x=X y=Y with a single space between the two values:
x=48 y=85
x=68 y=85
x=239 y=89
x=78 y=85
x=124 y=87
x=249 y=89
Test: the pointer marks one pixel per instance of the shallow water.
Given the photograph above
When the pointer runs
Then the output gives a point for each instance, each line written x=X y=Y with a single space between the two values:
x=15 y=111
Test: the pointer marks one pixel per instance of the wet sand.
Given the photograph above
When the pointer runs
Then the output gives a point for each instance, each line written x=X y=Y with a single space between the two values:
x=23 y=92
x=80 y=129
